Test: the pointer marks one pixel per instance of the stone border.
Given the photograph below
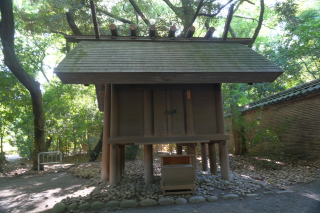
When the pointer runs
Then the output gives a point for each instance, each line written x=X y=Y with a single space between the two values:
x=163 y=201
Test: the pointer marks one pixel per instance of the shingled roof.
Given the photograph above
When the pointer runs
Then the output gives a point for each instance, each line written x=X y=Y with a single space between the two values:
x=305 y=89
x=163 y=62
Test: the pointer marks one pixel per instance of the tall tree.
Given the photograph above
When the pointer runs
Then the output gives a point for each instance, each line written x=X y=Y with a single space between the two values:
x=10 y=60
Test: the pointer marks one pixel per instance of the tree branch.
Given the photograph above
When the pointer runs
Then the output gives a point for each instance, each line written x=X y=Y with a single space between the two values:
x=250 y=2
x=253 y=20
x=57 y=32
x=172 y=7
x=197 y=12
x=72 y=24
x=233 y=34
x=256 y=33
x=114 y=16
x=137 y=9
x=219 y=10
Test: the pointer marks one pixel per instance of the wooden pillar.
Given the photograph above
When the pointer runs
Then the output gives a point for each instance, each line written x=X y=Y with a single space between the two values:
x=191 y=149
x=179 y=149
x=113 y=174
x=114 y=164
x=106 y=134
x=212 y=158
x=148 y=164
x=148 y=131
x=223 y=151
x=120 y=161
x=123 y=160
x=204 y=157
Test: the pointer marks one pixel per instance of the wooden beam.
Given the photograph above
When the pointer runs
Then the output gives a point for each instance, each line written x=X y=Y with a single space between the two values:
x=167 y=139
x=133 y=30
x=167 y=86
x=190 y=32
x=113 y=29
x=172 y=31
x=152 y=31
x=95 y=20
x=105 y=38
x=210 y=32
x=228 y=21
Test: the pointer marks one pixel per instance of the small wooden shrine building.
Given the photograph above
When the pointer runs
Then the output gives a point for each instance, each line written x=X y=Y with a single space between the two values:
x=161 y=90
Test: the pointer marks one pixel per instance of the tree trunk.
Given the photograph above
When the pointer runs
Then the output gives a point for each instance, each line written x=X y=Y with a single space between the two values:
x=96 y=151
x=2 y=140
x=10 y=60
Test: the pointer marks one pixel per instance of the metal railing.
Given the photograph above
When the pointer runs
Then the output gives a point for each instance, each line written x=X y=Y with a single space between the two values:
x=47 y=156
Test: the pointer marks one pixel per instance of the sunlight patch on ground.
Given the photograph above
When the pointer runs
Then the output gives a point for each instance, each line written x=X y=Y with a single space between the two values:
x=83 y=192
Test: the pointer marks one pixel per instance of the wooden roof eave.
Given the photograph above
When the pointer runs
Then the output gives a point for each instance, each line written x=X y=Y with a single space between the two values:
x=75 y=38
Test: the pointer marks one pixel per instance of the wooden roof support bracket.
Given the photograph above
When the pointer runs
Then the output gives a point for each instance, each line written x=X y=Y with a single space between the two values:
x=228 y=21
x=152 y=31
x=210 y=32
x=133 y=30
x=172 y=31
x=190 y=32
x=95 y=20
x=113 y=29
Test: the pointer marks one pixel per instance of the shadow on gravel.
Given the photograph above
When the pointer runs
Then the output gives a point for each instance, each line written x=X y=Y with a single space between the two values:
x=33 y=193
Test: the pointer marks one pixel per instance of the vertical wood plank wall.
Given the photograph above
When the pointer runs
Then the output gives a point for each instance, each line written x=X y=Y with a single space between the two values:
x=178 y=122
x=160 y=118
x=131 y=111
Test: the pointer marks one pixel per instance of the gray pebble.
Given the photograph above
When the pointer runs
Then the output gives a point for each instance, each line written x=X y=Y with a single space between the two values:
x=58 y=207
x=97 y=205
x=197 y=199
x=113 y=203
x=181 y=201
x=230 y=196
x=165 y=201
x=148 y=202
x=128 y=204
x=268 y=193
x=84 y=206
x=212 y=198
x=283 y=192
x=251 y=195
x=73 y=206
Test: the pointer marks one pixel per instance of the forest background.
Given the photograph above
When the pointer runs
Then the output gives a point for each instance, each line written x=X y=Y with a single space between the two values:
x=289 y=36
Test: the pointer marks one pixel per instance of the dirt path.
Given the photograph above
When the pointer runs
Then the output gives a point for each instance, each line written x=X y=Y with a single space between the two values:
x=27 y=194
x=34 y=193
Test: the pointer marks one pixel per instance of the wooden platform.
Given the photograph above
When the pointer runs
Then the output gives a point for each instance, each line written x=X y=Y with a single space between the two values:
x=205 y=138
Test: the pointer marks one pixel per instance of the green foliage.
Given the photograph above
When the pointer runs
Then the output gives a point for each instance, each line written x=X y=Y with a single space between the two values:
x=253 y=132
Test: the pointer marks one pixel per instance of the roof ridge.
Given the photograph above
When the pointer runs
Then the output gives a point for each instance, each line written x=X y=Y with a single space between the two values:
x=285 y=95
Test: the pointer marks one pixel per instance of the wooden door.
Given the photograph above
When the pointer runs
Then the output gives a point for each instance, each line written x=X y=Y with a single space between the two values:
x=168 y=111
